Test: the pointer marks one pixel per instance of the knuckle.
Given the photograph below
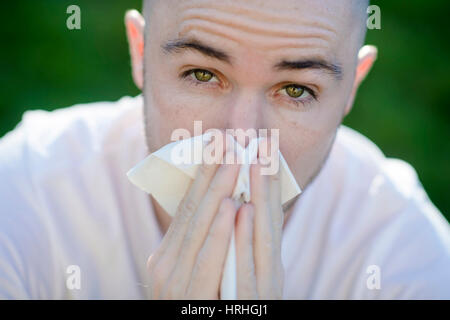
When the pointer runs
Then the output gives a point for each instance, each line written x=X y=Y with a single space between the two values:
x=185 y=211
x=214 y=188
x=189 y=206
x=183 y=218
x=227 y=204
x=202 y=264
x=213 y=235
x=189 y=236
x=218 y=233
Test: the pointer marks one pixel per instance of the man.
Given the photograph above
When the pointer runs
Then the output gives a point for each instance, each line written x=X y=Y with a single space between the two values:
x=72 y=226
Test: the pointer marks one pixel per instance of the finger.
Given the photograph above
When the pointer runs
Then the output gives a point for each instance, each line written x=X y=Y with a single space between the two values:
x=277 y=214
x=197 y=189
x=163 y=261
x=276 y=206
x=264 y=241
x=245 y=265
x=211 y=258
x=221 y=187
x=189 y=205
x=268 y=150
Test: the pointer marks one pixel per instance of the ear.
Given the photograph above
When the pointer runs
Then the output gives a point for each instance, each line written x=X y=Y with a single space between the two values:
x=366 y=58
x=134 y=24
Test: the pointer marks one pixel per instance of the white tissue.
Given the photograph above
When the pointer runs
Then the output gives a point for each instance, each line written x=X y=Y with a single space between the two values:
x=163 y=176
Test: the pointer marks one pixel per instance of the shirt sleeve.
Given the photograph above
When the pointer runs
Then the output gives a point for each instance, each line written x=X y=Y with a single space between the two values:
x=420 y=266
x=25 y=250
x=412 y=250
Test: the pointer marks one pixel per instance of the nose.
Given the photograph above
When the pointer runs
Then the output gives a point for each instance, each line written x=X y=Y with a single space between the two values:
x=245 y=112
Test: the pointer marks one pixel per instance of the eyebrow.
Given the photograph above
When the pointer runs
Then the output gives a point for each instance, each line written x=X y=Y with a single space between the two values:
x=178 y=45
x=333 y=69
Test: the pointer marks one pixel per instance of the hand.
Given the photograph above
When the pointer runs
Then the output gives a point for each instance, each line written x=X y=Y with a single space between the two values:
x=259 y=225
x=189 y=262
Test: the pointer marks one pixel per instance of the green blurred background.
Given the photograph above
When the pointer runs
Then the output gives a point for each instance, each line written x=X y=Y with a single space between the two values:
x=402 y=106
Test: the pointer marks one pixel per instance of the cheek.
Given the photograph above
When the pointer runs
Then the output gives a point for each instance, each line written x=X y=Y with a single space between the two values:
x=306 y=137
x=305 y=148
x=174 y=109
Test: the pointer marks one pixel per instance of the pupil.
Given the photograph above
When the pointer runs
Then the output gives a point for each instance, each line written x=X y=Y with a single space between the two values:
x=202 y=75
x=295 y=91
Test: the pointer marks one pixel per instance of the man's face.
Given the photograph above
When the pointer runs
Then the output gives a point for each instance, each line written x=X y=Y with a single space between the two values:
x=284 y=64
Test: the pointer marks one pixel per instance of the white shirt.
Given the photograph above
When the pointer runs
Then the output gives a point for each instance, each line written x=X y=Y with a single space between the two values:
x=364 y=228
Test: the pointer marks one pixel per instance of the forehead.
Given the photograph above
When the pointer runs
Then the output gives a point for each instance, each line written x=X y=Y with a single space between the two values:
x=307 y=27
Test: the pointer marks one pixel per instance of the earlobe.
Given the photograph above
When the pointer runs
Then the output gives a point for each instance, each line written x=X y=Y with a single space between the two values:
x=134 y=23
x=366 y=58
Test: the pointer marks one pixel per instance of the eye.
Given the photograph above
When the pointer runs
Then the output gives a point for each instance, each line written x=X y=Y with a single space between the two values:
x=294 y=91
x=298 y=95
x=203 y=79
x=202 y=75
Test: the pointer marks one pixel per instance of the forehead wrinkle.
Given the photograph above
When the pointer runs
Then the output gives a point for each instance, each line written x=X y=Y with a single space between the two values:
x=282 y=30
x=239 y=37
x=242 y=9
x=256 y=14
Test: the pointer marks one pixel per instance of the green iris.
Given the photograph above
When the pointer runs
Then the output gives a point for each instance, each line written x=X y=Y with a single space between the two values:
x=203 y=75
x=294 y=91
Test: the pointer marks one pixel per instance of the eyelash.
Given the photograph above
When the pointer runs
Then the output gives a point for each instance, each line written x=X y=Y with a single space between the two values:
x=186 y=75
x=297 y=101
